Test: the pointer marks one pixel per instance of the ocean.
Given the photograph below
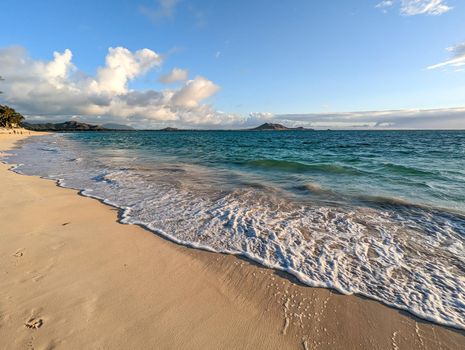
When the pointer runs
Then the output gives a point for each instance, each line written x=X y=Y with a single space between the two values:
x=374 y=213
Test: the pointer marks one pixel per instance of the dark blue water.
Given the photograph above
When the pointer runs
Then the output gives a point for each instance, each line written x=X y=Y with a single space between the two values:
x=380 y=214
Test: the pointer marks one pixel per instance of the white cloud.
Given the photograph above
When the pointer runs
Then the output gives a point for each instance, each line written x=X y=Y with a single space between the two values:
x=121 y=66
x=56 y=90
x=194 y=91
x=457 y=59
x=257 y=118
x=384 y=4
x=59 y=69
x=261 y=115
x=177 y=74
x=420 y=7
x=163 y=9
x=417 y=7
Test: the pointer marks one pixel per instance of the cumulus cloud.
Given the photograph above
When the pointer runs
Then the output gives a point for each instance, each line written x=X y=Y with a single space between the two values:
x=177 y=74
x=57 y=89
x=194 y=91
x=457 y=58
x=417 y=7
x=121 y=66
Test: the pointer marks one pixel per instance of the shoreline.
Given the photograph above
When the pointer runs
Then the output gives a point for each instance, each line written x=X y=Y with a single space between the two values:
x=174 y=296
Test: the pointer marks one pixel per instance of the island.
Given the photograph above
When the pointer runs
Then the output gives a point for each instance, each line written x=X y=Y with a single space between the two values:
x=75 y=126
x=72 y=126
x=170 y=129
x=276 y=127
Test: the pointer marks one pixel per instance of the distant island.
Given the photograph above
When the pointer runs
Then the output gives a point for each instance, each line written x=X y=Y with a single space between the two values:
x=276 y=127
x=170 y=129
x=72 y=126
x=263 y=127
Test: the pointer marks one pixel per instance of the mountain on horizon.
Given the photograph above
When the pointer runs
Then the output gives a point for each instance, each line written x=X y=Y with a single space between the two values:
x=66 y=126
x=73 y=125
x=169 y=128
x=276 y=127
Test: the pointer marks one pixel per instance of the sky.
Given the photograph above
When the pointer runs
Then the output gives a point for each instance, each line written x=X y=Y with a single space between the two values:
x=352 y=64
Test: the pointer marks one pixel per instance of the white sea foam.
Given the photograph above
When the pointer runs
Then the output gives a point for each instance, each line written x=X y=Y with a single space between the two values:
x=408 y=257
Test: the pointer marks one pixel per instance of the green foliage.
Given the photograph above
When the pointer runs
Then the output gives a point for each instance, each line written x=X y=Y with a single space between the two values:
x=9 y=118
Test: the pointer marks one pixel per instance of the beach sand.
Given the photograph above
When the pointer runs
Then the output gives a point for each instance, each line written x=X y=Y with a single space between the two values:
x=72 y=277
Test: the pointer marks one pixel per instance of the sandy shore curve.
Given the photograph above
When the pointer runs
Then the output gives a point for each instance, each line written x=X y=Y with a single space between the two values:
x=72 y=277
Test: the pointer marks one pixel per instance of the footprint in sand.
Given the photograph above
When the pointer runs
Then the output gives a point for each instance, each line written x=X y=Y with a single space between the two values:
x=18 y=254
x=34 y=323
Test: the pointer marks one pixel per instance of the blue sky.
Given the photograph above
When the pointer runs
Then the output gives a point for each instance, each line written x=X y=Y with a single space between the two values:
x=318 y=60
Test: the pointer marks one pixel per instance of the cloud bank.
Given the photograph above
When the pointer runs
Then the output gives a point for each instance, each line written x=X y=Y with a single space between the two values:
x=441 y=118
x=417 y=7
x=57 y=88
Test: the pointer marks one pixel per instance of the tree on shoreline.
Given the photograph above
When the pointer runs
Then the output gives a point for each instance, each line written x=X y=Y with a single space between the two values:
x=9 y=118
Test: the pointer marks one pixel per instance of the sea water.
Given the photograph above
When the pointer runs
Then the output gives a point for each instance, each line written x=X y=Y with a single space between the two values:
x=375 y=213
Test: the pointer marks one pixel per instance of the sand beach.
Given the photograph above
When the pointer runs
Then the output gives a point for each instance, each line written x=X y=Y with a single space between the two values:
x=73 y=277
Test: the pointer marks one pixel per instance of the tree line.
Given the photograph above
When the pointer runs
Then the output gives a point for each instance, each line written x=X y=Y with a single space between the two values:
x=9 y=118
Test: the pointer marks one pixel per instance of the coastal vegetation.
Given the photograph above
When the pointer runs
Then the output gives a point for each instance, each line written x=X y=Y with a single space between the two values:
x=9 y=118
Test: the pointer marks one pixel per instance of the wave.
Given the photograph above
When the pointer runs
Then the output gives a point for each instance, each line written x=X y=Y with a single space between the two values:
x=286 y=165
x=354 y=251
x=396 y=203
x=392 y=201
x=407 y=170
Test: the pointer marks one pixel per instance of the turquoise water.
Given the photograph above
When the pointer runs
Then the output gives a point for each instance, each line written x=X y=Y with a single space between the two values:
x=376 y=213
x=420 y=167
